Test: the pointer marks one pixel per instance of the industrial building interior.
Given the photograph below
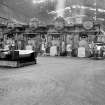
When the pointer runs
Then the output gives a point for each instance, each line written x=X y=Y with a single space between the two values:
x=52 y=52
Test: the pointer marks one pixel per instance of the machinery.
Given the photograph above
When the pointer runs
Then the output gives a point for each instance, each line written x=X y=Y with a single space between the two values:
x=17 y=58
x=99 y=50
x=11 y=55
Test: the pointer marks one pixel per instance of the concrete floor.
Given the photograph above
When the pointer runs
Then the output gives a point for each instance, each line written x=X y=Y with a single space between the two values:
x=54 y=81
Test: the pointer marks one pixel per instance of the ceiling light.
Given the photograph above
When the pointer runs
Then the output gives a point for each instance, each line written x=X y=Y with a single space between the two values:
x=93 y=9
x=67 y=8
x=34 y=1
x=73 y=6
x=102 y=19
x=101 y=10
x=38 y=1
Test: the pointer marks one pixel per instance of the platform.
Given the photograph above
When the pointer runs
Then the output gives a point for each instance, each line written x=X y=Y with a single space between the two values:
x=15 y=64
x=14 y=59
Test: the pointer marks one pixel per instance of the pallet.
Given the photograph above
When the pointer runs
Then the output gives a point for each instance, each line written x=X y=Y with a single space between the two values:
x=15 y=64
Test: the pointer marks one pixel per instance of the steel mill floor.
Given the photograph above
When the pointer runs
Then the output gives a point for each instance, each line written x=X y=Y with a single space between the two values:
x=54 y=81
